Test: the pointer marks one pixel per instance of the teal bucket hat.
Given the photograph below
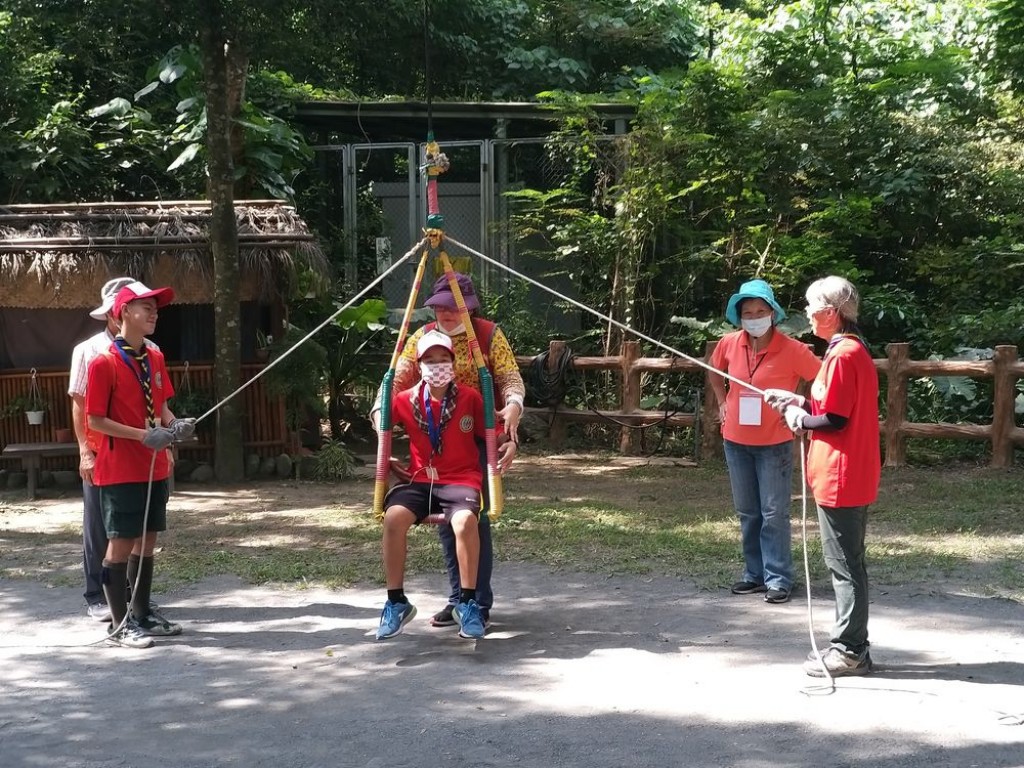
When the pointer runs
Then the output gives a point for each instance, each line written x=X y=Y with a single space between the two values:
x=753 y=289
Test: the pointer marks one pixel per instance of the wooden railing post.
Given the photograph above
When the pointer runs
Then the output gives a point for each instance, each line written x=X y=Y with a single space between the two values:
x=1004 y=392
x=896 y=405
x=710 y=429
x=630 y=394
x=556 y=432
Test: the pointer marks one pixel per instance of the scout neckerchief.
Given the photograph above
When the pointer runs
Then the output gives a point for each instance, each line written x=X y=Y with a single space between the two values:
x=142 y=373
x=424 y=415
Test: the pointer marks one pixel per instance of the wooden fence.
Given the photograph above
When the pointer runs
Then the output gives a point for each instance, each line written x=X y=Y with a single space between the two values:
x=1005 y=369
x=264 y=428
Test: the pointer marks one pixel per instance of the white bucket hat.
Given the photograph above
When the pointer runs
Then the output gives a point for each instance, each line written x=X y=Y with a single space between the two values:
x=107 y=295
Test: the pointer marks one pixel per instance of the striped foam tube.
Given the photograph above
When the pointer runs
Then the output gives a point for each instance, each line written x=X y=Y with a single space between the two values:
x=380 y=485
x=486 y=390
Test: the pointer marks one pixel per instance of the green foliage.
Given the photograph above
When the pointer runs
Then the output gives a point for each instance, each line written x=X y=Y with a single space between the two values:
x=334 y=462
x=340 y=365
x=272 y=152
x=299 y=377
x=25 y=403
x=512 y=310
x=192 y=403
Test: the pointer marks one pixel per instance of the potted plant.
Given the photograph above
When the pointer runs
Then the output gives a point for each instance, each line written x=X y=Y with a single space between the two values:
x=32 y=405
x=263 y=342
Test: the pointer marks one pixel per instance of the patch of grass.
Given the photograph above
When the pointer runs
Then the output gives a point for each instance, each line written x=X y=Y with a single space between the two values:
x=956 y=528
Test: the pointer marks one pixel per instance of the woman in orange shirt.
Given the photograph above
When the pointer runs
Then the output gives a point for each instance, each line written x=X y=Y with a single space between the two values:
x=843 y=464
x=758 y=446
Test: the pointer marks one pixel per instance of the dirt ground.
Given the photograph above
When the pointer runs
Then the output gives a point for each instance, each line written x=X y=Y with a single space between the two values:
x=578 y=669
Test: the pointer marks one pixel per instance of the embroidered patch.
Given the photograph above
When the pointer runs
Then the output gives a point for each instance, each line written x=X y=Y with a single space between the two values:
x=159 y=380
x=466 y=423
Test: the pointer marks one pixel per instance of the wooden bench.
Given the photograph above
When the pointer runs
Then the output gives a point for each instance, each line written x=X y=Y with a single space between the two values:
x=31 y=453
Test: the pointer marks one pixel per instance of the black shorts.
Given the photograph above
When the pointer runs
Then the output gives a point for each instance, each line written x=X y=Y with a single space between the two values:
x=424 y=499
x=124 y=506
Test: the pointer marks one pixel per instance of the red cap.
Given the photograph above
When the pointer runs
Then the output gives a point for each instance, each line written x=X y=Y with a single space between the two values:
x=135 y=291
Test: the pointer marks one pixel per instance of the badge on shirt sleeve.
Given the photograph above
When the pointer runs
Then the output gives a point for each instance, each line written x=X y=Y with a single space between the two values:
x=158 y=379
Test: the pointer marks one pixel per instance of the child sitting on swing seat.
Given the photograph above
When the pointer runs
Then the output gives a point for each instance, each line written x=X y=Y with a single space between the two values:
x=443 y=422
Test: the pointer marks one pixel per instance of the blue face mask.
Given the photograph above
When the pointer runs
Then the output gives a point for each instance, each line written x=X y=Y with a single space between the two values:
x=757 y=327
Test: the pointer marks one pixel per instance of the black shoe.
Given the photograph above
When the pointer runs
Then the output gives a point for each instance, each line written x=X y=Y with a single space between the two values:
x=776 y=596
x=747 y=588
x=156 y=625
x=444 y=617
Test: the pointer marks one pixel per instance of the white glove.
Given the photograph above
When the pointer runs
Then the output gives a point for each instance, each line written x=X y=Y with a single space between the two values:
x=183 y=429
x=158 y=438
x=779 y=399
x=794 y=416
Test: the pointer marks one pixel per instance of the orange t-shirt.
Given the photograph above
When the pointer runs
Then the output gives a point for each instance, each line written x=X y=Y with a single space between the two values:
x=781 y=365
x=844 y=466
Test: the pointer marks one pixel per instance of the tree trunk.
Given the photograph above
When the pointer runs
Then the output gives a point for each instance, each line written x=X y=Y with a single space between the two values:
x=215 y=44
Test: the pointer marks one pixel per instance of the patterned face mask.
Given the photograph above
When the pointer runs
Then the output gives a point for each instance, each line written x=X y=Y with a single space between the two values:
x=437 y=374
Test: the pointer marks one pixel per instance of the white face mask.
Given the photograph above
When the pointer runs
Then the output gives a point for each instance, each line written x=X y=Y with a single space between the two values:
x=460 y=328
x=757 y=327
x=437 y=374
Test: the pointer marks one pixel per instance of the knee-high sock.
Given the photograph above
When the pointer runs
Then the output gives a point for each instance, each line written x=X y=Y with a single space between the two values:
x=115 y=579
x=141 y=593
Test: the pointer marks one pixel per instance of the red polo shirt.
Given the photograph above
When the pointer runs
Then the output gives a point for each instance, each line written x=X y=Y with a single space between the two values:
x=114 y=391
x=459 y=460
x=844 y=466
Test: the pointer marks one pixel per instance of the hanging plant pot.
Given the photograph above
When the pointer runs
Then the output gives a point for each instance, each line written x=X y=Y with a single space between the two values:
x=35 y=418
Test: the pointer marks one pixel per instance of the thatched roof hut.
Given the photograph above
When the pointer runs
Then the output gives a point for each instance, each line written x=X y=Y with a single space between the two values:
x=58 y=256
x=55 y=258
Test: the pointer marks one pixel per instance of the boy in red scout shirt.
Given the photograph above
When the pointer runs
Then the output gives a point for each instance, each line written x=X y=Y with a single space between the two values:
x=126 y=403
x=443 y=421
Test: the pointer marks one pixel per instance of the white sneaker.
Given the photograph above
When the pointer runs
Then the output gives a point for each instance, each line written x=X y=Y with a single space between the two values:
x=129 y=636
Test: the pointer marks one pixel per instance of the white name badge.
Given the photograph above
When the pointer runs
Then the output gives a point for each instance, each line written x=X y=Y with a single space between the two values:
x=431 y=473
x=750 y=411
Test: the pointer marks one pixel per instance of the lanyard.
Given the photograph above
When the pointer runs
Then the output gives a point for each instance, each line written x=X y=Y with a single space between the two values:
x=128 y=354
x=434 y=430
x=753 y=370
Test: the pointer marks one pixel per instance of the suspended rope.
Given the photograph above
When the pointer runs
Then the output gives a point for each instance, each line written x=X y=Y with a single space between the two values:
x=606 y=318
x=435 y=162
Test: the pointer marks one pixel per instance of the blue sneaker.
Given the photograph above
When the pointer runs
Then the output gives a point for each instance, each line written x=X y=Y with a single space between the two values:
x=470 y=620
x=393 y=618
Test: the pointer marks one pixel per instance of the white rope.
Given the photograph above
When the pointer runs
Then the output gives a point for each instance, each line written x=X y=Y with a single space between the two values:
x=831 y=686
x=316 y=330
x=803 y=470
x=608 y=319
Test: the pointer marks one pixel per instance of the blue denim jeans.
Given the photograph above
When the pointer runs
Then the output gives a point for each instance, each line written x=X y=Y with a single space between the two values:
x=843 y=531
x=484 y=595
x=761 y=478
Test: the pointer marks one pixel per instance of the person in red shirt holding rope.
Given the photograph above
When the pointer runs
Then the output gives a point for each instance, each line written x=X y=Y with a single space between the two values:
x=126 y=403
x=443 y=421
x=843 y=464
